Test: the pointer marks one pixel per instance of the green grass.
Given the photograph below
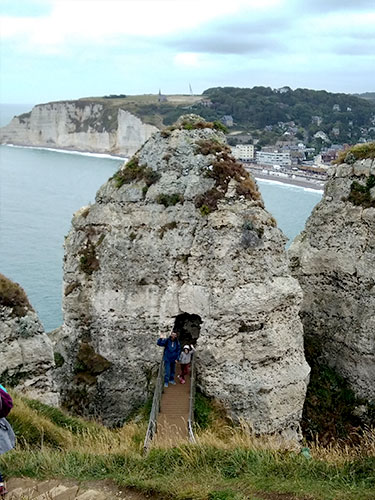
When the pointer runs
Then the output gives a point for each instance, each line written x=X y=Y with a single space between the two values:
x=222 y=466
x=357 y=152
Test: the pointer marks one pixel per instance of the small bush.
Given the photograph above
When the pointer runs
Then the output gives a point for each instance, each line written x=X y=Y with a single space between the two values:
x=169 y=200
x=59 y=359
x=135 y=172
x=206 y=147
x=13 y=295
x=220 y=126
x=225 y=168
x=360 y=193
x=88 y=262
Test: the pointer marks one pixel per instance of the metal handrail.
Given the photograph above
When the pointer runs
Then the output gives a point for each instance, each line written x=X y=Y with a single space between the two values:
x=191 y=401
x=152 y=423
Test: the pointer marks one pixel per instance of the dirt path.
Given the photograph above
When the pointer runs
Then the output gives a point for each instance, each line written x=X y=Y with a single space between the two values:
x=63 y=489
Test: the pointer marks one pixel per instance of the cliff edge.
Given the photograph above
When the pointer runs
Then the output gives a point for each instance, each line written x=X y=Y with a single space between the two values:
x=334 y=262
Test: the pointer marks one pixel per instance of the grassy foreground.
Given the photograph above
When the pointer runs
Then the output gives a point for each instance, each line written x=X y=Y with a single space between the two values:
x=225 y=464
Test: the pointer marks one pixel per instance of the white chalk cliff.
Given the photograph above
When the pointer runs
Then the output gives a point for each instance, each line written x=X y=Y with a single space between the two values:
x=80 y=125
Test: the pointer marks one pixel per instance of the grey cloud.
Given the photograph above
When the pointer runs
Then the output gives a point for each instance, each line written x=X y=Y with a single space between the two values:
x=326 y=6
x=229 y=45
x=355 y=49
x=249 y=34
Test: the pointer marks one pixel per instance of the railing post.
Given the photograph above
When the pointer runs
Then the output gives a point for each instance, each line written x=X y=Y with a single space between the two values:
x=151 y=429
x=191 y=401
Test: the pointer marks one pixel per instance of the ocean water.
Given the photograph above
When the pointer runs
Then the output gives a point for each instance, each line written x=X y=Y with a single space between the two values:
x=41 y=189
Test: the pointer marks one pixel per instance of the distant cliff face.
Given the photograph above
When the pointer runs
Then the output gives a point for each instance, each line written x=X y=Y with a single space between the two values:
x=334 y=261
x=179 y=237
x=78 y=125
x=26 y=354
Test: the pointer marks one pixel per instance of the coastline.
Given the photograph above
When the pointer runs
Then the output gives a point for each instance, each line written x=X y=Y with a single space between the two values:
x=69 y=151
x=298 y=182
x=305 y=183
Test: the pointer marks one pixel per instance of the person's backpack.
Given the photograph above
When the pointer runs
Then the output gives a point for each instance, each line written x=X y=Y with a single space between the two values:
x=6 y=403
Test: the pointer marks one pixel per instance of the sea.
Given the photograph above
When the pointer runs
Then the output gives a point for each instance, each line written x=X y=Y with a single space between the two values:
x=40 y=189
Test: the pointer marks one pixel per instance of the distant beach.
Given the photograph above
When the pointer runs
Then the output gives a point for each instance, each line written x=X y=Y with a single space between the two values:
x=307 y=183
x=70 y=151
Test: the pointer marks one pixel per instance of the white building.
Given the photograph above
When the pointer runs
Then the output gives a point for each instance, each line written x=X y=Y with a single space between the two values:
x=243 y=152
x=275 y=158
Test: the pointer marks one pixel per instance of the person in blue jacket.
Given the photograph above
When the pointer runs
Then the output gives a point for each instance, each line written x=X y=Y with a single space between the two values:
x=172 y=351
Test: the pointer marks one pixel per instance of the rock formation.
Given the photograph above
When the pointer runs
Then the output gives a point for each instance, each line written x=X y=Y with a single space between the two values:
x=26 y=355
x=81 y=125
x=334 y=261
x=179 y=236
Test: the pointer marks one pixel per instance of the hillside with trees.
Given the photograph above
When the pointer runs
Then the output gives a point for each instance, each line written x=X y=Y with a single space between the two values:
x=343 y=118
x=269 y=114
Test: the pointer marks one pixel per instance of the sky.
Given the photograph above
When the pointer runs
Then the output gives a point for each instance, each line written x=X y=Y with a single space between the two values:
x=65 y=49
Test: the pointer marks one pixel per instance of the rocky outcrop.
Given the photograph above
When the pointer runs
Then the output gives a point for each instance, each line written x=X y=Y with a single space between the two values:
x=334 y=261
x=26 y=355
x=179 y=237
x=81 y=125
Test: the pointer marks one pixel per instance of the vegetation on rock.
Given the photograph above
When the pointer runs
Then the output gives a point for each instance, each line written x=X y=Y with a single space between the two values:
x=132 y=171
x=330 y=410
x=357 y=152
x=12 y=295
x=88 y=261
x=224 y=168
x=169 y=200
x=360 y=194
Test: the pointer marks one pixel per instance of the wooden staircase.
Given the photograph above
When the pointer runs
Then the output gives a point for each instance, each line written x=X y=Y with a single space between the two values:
x=172 y=412
x=172 y=421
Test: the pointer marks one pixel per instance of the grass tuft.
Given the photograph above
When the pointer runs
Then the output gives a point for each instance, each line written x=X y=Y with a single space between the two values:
x=13 y=295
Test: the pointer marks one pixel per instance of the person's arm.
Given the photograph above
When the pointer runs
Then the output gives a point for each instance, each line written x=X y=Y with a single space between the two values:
x=162 y=341
x=192 y=349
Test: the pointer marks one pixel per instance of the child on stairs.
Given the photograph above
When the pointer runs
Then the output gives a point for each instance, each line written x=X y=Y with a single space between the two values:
x=185 y=360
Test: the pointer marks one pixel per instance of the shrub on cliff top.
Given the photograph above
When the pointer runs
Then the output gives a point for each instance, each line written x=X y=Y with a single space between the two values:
x=192 y=122
x=135 y=172
x=225 y=168
x=357 y=152
x=12 y=295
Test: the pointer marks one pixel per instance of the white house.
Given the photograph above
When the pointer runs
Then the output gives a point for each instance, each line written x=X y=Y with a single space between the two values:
x=281 y=158
x=243 y=152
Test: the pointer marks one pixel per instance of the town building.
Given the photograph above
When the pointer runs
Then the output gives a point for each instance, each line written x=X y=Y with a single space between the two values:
x=243 y=152
x=227 y=120
x=281 y=158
